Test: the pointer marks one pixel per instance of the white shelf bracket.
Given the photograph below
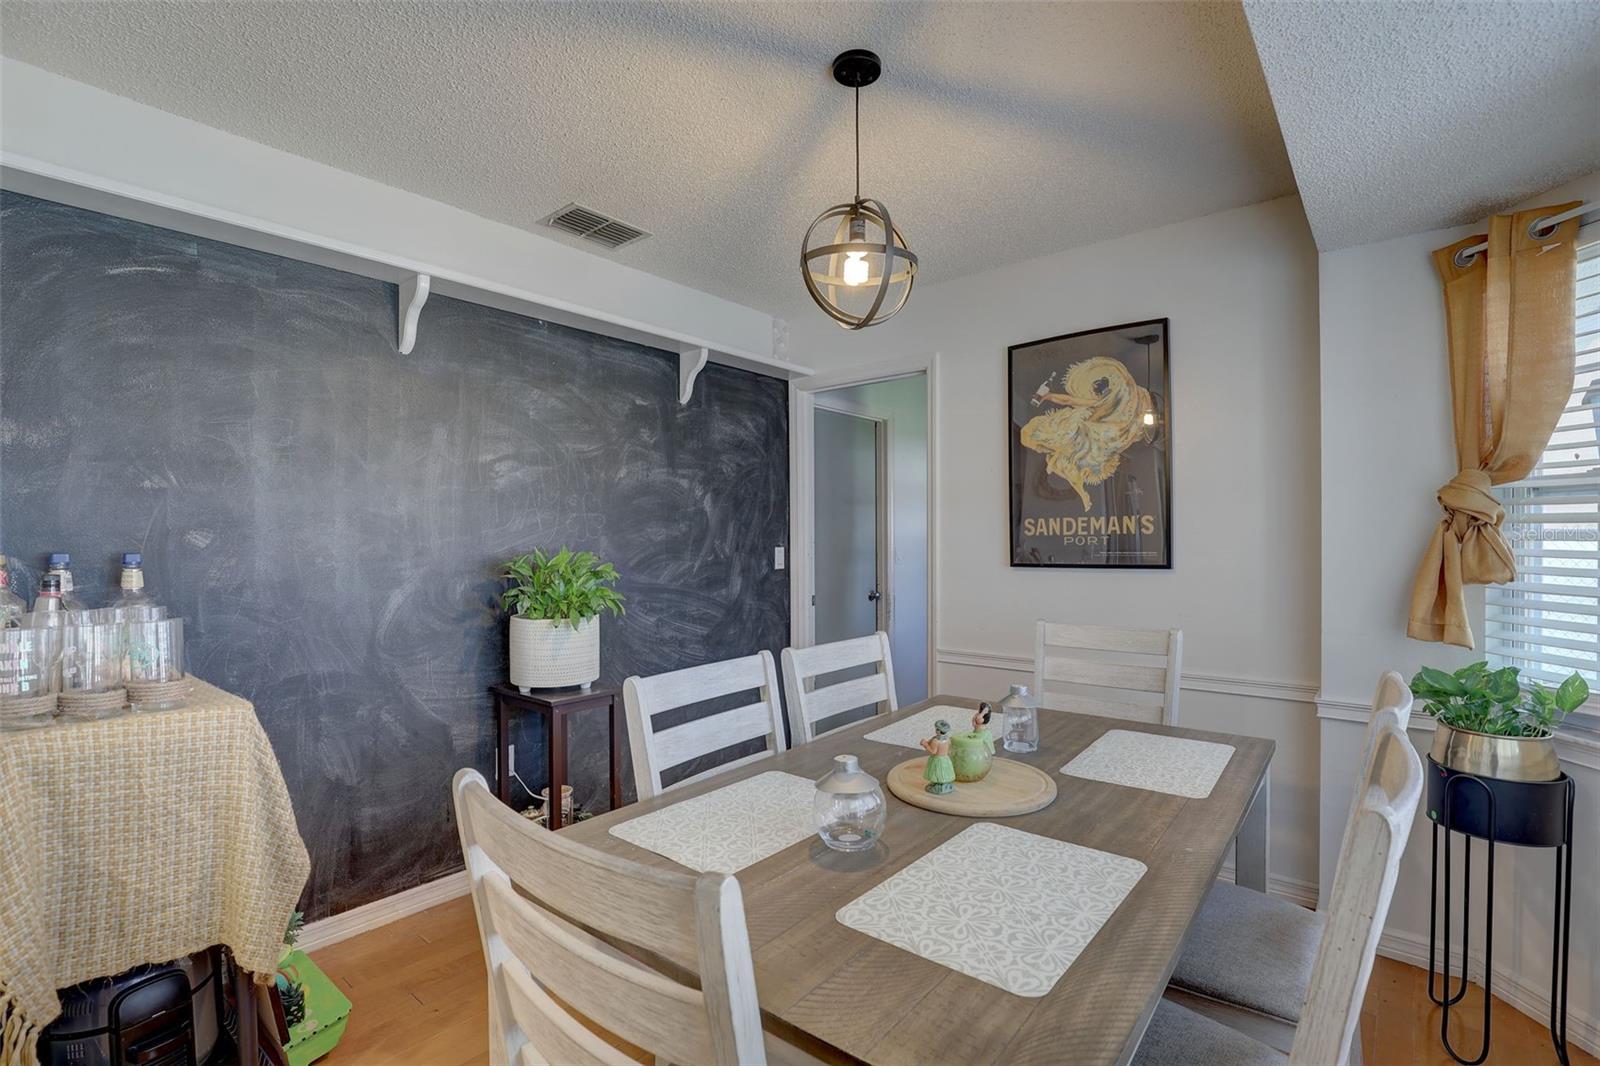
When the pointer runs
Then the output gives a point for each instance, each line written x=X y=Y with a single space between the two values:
x=690 y=362
x=413 y=294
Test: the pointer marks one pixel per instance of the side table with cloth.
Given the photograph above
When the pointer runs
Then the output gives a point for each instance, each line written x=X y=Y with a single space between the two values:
x=135 y=840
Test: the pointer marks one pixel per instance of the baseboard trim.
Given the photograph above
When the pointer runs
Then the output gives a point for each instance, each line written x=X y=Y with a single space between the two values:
x=1226 y=684
x=1582 y=1031
x=346 y=924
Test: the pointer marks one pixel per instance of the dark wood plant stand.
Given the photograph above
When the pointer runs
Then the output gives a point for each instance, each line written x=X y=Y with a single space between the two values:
x=1532 y=814
x=556 y=705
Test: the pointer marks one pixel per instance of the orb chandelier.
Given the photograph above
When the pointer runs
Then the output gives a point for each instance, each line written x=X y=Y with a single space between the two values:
x=855 y=262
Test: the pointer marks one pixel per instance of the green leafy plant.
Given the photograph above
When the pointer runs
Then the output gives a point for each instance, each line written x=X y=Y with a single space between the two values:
x=565 y=587
x=291 y=934
x=1482 y=700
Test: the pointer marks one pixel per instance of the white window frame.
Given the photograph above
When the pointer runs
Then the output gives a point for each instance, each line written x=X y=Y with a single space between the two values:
x=1586 y=718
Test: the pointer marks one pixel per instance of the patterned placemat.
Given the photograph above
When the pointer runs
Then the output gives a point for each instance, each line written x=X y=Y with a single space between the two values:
x=1010 y=908
x=910 y=732
x=1154 y=762
x=729 y=828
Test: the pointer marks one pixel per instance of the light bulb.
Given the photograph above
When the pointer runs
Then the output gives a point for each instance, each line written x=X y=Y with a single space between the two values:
x=855 y=268
x=1149 y=418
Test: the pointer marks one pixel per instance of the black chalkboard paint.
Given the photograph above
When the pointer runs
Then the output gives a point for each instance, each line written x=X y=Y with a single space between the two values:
x=327 y=514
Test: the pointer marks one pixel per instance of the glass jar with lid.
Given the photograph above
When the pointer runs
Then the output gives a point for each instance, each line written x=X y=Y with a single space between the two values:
x=1021 y=711
x=849 y=806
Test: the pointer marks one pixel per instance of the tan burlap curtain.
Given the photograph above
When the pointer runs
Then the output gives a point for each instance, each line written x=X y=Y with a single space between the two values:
x=1508 y=314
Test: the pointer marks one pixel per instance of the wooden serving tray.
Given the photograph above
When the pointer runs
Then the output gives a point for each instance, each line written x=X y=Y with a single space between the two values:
x=1010 y=788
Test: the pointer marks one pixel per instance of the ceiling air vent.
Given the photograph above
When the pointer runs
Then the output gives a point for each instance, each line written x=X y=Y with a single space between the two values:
x=591 y=225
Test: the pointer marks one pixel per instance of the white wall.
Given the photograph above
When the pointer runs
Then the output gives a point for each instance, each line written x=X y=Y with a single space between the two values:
x=1240 y=289
x=1386 y=449
x=904 y=403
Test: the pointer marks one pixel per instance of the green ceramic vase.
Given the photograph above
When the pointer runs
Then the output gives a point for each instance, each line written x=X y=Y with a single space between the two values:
x=972 y=753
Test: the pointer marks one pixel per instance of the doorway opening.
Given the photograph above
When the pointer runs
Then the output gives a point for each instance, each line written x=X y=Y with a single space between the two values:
x=863 y=516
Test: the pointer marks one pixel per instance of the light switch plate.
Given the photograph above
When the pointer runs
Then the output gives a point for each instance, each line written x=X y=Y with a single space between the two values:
x=777 y=557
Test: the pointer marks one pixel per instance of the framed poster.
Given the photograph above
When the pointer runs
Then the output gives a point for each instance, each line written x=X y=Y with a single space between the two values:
x=1089 y=437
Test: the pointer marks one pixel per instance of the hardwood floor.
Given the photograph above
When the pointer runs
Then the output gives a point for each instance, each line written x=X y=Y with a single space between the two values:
x=419 y=993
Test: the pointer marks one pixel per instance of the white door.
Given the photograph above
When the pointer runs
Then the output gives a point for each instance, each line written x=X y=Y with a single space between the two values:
x=849 y=515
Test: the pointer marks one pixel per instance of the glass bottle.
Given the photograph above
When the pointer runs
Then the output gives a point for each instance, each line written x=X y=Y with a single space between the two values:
x=48 y=613
x=849 y=806
x=1021 y=712
x=12 y=606
x=61 y=566
x=133 y=603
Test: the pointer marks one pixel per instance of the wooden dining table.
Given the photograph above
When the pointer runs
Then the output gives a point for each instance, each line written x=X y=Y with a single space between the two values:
x=844 y=996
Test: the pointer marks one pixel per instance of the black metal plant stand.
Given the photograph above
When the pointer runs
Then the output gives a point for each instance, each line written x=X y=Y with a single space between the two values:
x=1532 y=814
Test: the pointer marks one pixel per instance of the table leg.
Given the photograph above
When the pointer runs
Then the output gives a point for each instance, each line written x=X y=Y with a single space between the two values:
x=244 y=992
x=1250 y=846
x=556 y=734
x=502 y=752
x=616 y=732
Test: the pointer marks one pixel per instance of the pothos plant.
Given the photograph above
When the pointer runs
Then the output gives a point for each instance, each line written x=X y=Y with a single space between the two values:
x=565 y=587
x=1496 y=702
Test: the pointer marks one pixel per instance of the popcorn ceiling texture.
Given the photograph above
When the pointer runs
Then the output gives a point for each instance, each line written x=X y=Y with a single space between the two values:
x=998 y=133
x=1402 y=118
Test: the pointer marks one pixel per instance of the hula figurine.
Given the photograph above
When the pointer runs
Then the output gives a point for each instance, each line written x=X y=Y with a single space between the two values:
x=939 y=774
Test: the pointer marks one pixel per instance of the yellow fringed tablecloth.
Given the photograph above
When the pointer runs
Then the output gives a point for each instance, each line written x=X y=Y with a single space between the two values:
x=136 y=840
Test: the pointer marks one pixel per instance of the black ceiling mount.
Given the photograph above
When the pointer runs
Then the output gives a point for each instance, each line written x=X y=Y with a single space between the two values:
x=856 y=68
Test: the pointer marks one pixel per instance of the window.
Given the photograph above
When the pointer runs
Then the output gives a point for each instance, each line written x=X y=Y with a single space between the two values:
x=1547 y=621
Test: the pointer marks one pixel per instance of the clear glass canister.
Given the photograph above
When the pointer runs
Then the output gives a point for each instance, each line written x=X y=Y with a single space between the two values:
x=849 y=806
x=30 y=677
x=1021 y=716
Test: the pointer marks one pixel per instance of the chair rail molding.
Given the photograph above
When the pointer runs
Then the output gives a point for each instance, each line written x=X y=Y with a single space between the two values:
x=1580 y=747
x=1225 y=684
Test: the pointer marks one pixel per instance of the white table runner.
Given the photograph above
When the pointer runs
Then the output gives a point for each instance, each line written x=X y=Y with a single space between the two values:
x=729 y=828
x=1153 y=762
x=910 y=732
x=1010 y=908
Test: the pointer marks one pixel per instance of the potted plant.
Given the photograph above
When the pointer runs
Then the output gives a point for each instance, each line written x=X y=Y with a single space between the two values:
x=555 y=603
x=1492 y=725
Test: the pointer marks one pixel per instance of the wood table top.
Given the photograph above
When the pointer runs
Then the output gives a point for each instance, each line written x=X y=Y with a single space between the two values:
x=844 y=995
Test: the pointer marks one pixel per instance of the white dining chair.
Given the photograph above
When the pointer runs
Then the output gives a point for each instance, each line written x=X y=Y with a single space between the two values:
x=1138 y=680
x=529 y=887
x=1363 y=886
x=1249 y=956
x=803 y=667
x=656 y=750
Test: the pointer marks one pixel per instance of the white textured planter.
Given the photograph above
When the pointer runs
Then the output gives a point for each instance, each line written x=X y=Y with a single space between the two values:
x=547 y=654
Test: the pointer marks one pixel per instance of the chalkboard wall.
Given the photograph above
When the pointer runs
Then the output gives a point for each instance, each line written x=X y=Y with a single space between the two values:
x=327 y=514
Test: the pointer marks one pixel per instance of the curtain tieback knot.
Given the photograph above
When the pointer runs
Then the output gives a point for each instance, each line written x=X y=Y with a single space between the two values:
x=1473 y=517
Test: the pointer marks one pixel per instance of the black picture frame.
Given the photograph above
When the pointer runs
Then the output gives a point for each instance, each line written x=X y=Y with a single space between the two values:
x=1091 y=517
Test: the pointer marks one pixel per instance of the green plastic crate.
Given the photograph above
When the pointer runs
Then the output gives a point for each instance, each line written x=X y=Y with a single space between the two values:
x=327 y=1011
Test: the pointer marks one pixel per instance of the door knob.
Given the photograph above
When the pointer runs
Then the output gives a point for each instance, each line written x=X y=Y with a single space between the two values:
x=874 y=596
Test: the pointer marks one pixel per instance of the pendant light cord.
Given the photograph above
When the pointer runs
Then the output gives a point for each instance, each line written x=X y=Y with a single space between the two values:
x=858 y=144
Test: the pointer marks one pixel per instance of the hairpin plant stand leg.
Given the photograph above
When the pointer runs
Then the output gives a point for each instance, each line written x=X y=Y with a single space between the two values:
x=1560 y=954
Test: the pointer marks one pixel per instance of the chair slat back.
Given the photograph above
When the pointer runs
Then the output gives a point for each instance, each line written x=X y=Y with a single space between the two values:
x=654 y=751
x=1114 y=671
x=1363 y=886
x=538 y=895
x=809 y=704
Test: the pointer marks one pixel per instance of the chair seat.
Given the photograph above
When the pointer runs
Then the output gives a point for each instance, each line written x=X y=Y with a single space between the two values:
x=1178 y=1036
x=1251 y=950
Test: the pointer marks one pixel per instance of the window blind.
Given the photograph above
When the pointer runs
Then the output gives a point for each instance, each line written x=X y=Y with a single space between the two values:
x=1547 y=621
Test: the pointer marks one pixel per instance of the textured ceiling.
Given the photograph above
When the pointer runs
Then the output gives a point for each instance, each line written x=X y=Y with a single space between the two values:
x=999 y=131
x=1408 y=117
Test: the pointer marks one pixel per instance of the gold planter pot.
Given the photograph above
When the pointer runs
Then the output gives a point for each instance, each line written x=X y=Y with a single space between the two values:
x=1508 y=758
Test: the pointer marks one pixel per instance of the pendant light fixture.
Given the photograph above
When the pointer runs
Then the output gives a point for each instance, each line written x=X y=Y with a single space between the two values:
x=855 y=262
